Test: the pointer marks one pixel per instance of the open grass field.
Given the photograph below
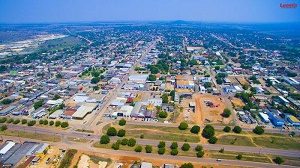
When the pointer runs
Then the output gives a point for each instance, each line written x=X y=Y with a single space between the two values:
x=287 y=143
x=32 y=135
x=235 y=140
x=74 y=139
x=157 y=133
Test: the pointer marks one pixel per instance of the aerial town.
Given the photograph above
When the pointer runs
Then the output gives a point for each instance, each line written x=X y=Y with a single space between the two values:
x=148 y=95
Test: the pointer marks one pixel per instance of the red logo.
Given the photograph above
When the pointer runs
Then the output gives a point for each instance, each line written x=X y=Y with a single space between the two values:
x=293 y=5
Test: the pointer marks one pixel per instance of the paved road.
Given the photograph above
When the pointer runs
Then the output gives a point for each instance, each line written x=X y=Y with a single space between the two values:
x=166 y=158
x=113 y=95
x=290 y=153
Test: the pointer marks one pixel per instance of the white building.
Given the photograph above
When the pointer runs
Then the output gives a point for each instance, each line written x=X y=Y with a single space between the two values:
x=138 y=78
x=155 y=101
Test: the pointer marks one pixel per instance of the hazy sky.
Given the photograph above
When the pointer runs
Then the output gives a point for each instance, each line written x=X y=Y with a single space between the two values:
x=33 y=11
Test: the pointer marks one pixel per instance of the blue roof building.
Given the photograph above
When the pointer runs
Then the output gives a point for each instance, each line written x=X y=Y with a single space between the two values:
x=276 y=120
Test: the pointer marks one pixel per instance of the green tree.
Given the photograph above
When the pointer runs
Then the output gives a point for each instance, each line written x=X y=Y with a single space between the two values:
x=200 y=154
x=187 y=165
x=121 y=133
x=95 y=80
x=10 y=120
x=57 y=123
x=174 y=152
x=163 y=114
x=213 y=140
x=152 y=77
x=138 y=149
x=51 y=123
x=64 y=124
x=165 y=98
x=115 y=146
x=38 y=104
x=161 y=151
x=137 y=68
x=45 y=122
x=131 y=142
x=186 y=147
x=124 y=141
x=31 y=123
x=41 y=122
x=208 y=131
x=17 y=121
x=96 y=88
x=6 y=101
x=199 y=148
x=239 y=156
x=227 y=129
x=148 y=149
x=183 y=126
x=104 y=139
x=258 y=130
x=278 y=160
x=56 y=97
x=111 y=131
x=3 y=120
x=237 y=129
x=195 y=129
x=207 y=84
x=59 y=76
x=3 y=127
x=122 y=122
x=293 y=133
x=217 y=67
x=23 y=121
x=226 y=113
x=219 y=81
x=161 y=144
x=174 y=145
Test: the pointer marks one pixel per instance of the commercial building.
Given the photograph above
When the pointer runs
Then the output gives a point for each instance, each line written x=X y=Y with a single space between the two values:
x=276 y=120
x=83 y=110
x=138 y=78
x=264 y=117
x=293 y=120
x=283 y=100
x=183 y=84
x=291 y=81
x=155 y=101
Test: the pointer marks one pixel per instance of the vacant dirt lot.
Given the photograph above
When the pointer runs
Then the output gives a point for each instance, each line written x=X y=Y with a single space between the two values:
x=238 y=102
x=242 y=80
x=204 y=112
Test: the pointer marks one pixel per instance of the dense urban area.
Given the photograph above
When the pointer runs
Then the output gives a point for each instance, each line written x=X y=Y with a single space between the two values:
x=149 y=94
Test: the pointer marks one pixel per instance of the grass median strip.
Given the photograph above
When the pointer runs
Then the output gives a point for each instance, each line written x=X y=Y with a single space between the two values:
x=32 y=135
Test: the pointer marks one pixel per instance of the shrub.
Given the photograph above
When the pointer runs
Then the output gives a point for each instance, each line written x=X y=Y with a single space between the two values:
x=115 y=146
x=51 y=123
x=278 y=160
x=221 y=150
x=104 y=139
x=199 y=148
x=131 y=142
x=122 y=122
x=239 y=156
x=57 y=123
x=183 y=126
x=111 y=131
x=213 y=140
x=227 y=129
x=17 y=121
x=161 y=151
x=237 y=129
x=142 y=136
x=148 y=149
x=200 y=154
x=174 y=152
x=258 y=130
x=64 y=124
x=121 y=133
x=208 y=131
x=161 y=144
x=186 y=147
x=124 y=141
x=293 y=133
x=23 y=121
x=138 y=149
x=174 y=145
x=195 y=129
